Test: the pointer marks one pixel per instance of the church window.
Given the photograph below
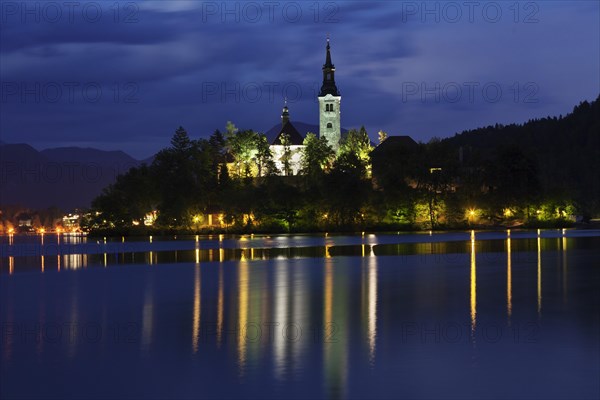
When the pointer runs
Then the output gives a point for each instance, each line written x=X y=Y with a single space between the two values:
x=329 y=125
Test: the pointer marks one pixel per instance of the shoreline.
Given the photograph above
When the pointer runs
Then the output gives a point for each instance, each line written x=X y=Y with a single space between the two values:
x=336 y=231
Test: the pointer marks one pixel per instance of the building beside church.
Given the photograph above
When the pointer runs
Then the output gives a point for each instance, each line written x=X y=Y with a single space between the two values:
x=329 y=123
x=295 y=145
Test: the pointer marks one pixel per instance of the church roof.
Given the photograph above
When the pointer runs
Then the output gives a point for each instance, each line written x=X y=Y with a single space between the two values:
x=395 y=144
x=296 y=139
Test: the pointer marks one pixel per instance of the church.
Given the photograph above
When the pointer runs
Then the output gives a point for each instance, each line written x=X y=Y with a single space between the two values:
x=329 y=123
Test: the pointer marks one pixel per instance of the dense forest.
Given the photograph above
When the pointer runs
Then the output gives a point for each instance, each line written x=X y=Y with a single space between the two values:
x=545 y=172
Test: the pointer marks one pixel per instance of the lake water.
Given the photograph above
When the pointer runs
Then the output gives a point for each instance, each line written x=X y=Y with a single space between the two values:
x=419 y=315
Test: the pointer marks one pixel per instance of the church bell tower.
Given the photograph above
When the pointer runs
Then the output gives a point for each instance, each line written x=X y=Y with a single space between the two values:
x=329 y=105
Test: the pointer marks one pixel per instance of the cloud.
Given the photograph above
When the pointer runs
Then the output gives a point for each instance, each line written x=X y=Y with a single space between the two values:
x=185 y=64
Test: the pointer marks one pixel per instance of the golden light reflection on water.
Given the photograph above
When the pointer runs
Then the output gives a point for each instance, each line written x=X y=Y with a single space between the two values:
x=508 y=279
x=473 y=284
x=196 y=316
x=72 y=344
x=220 y=307
x=372 y=306
x=328 y=295
x=539 y=275
x=242 y=311
x=147 y=316
x=564 y=268
x=300 y=298
x=281 y=316
x=11 y=264
x=335 y=321
x=75 y=261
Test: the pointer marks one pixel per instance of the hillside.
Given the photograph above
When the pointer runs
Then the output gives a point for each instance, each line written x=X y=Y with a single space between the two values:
x=566 y=150
x=67 y=177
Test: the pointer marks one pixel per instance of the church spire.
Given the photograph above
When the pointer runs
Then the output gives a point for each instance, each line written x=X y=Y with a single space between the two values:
x=285 y=115
x=328 y=63
x=329 y=86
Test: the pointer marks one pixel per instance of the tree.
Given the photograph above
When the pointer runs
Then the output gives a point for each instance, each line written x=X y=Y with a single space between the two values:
x=317 y=156
x=357 y=142
x=242 y=147
x=264 y=157
x=181 y=141
x=346 y=190
x=286 y=156
x=129 y=199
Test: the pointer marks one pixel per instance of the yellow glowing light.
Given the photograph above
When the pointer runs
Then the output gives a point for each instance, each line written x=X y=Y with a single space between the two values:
x=11 y=231
x=58 y=230
x=325 y=216
x=471 y=213
x=507 y=212
x=42 y=231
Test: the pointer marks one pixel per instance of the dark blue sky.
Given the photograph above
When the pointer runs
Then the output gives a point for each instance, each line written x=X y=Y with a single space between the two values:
x=96 y=75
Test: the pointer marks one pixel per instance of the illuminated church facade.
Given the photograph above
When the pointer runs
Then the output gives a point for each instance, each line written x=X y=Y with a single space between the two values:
x=329 y=123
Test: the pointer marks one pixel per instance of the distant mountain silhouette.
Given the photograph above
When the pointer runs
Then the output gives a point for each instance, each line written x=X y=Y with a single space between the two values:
x=89 y=155
x=67 y=178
